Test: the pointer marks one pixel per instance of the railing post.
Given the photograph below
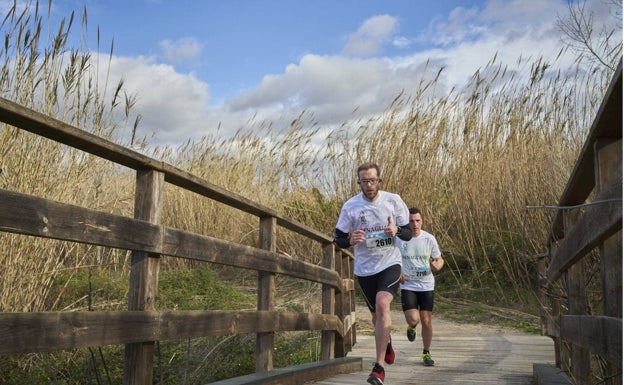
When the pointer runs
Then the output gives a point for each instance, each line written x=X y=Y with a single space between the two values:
x=328 y=303
x=350 y=300
x=608 y=159
x=574 y=280
x=139 y=357
x=266 y=296
x=339 y=348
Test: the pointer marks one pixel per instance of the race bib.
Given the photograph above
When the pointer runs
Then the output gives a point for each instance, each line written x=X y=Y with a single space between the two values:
x=378 y=239
x=418 y=272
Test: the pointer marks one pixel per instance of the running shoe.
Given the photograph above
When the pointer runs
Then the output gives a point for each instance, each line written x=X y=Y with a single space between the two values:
x=377 y=375
x=411 y=333
x=427 y=360
x=389 y=358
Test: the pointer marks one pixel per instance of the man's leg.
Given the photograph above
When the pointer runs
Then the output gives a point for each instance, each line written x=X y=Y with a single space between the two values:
x=383 y=323
x=412 y=317
x=427 y=328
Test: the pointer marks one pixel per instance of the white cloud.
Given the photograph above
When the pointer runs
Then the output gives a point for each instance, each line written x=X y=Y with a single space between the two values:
x=181 y=50
x=177 y=106
x=369 y=38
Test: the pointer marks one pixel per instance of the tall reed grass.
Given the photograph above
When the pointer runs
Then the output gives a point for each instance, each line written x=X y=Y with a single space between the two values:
x=472 y=159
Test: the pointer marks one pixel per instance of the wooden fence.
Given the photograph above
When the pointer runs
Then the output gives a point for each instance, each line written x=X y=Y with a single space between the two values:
x=148 y=239
x=581 y=279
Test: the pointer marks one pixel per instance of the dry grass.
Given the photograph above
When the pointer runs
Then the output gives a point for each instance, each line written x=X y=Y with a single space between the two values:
x=472 y=160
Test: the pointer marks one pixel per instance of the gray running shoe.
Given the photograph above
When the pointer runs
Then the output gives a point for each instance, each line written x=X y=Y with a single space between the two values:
x=427 y=360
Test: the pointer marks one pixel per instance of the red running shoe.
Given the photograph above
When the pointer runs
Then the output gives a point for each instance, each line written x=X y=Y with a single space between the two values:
x=377 y=375
x=389 y=358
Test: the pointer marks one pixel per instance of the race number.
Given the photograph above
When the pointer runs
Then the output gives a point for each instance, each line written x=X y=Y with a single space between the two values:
x=378 y=239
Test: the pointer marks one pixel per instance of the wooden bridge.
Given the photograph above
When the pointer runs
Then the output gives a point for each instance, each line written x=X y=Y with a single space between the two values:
x=581 y=343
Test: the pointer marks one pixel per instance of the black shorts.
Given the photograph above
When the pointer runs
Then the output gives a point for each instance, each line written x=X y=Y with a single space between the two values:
x=386 y=280
x=421 y=300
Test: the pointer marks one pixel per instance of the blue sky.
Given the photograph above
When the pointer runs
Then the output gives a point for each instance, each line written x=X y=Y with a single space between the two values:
x=232 y=45
x=199 y=65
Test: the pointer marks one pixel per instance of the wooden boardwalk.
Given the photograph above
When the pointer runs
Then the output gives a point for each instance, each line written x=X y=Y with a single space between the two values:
x=464 y=354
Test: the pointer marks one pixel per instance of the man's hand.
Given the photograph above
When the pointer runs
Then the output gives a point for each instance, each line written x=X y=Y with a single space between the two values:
x=391 y=230
x=357 y=236
x=436 y=264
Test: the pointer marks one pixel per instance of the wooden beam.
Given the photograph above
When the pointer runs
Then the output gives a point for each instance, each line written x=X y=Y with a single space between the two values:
x=144 y=269
x=54 y=129
x=599 y=222
x=607 y=123
x=28 y=215
x=49 y=331
x=300 y=374
x=598 y=334
x=265 y=341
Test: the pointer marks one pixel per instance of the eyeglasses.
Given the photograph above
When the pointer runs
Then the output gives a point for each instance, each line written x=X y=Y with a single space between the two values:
x=372 y=182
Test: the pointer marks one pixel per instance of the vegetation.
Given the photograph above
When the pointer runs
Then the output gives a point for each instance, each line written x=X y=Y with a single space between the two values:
x=474 y=160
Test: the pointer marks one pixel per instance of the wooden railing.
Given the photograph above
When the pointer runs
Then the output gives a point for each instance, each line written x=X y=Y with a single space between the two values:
x=585 y=253
x=148 y=239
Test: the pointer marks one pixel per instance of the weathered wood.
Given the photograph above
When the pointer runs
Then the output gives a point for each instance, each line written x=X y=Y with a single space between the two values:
x=203 y=248
x=25 y=214
x=472 y=358
x=49 y=331
x=598 y=334
x=265 y=341
x=328 y=303
x=144 y=269
x=549 y=375
x=599 y=222
x=299 y=374
x=608 y=123
x=340 y=349
x=48 y=127
x=609 y=162
x=142 y=326
x=575 y=286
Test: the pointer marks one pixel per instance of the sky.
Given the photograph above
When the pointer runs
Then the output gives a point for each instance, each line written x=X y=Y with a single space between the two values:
x=206 y=65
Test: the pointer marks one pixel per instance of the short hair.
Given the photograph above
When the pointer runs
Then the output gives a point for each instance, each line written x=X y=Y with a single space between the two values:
x=414 y=210
x=368 y=166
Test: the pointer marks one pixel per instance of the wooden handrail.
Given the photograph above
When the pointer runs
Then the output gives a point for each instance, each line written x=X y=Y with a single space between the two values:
x=148 y=240
x=589 y=219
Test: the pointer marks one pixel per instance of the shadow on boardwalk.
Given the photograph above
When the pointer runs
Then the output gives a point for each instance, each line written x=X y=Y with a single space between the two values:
x=464 y=354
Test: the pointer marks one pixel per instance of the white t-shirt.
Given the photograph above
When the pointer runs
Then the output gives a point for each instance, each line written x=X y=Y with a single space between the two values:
x=378 y=252
x=416 y=253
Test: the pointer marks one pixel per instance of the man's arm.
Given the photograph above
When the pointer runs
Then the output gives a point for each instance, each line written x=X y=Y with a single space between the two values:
x=341 y=239
x=404 y=232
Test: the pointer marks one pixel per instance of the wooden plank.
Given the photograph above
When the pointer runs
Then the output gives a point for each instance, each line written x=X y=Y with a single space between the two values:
x=299 y=374
x=471 y=358
x=49 y=331
x=28 y=215
x=144 y=269
x=328 y=303
x=265 y=342
x=203 y=248
x=598 y=334
x=608 y=123
x=609 y=162
x=579 y=363
x=54 y=129
x=549 y=375
x=599 y=222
